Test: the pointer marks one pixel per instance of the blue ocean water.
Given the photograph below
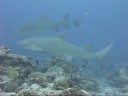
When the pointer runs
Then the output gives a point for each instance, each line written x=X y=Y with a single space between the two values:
x=107 y=21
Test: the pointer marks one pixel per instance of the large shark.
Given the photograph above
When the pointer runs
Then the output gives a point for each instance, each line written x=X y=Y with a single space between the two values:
x=46 y=24
x=58 y=46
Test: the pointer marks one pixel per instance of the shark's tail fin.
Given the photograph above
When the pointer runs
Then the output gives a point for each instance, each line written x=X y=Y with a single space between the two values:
x=101 y=54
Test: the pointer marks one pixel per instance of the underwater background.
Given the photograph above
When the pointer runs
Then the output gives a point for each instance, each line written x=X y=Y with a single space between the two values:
x=106 y=21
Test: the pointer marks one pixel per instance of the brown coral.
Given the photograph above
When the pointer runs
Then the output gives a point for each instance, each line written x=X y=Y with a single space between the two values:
x=10 y=87
x=8 y=58
x=38 y=78
x=62 y=83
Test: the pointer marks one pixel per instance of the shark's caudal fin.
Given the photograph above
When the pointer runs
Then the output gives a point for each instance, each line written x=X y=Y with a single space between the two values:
x=101 y=54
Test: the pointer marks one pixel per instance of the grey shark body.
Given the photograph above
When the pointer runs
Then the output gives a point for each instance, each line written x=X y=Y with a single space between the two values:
x=47 y=24
x=58 y=46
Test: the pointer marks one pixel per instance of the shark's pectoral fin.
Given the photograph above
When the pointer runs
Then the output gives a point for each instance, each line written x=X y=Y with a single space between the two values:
x=35 y=48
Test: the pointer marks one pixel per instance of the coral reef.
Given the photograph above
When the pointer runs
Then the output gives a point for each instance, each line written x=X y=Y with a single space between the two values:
x=7 y=94
x=27 y=93
x=54 y=72
x=19 y=76
x=8 y=58
x=73 y=92
x=23 y=73
x=10 y=87
x=62 y=83
x=62 y=66
x=89 y=85
x=66 y=65
x=2 y=70
x=119 y=78
x=38 y=78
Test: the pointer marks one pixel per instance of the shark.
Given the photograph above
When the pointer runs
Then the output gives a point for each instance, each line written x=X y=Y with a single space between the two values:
x=58 y=46
x=47 y=24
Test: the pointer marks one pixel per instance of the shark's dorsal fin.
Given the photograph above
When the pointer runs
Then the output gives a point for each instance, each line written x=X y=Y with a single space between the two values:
x=60 y=35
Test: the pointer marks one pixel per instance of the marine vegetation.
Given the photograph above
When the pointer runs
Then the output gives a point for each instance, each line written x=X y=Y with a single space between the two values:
x=47 y=24
x=60 y=47
x=12 y=72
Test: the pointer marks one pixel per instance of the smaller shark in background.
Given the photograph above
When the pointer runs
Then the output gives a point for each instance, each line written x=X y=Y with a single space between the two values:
x=46 y=24
x=56 y=45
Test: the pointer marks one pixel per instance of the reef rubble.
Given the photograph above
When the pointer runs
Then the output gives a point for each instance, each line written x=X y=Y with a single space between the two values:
x=20 y=76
